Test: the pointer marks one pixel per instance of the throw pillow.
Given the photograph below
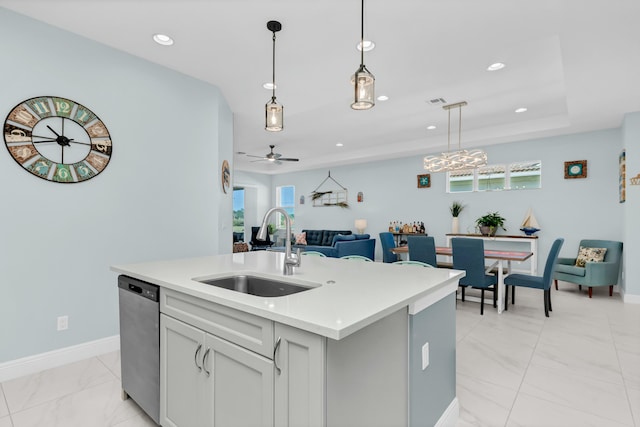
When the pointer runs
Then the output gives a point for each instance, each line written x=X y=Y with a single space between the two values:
x=342 y=238
x=590 y=255
x=301 y=239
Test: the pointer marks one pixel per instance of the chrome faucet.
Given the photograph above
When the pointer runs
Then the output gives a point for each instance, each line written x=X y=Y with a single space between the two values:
x=290 y=260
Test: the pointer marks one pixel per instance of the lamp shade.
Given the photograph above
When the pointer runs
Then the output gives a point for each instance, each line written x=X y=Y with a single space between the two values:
x=274 y=116
x=361 y=225
x=364 y=89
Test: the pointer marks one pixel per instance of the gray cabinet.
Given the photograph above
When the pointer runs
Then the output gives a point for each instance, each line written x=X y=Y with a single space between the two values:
x=217 y=368
x=208 y=381
x=300 y=378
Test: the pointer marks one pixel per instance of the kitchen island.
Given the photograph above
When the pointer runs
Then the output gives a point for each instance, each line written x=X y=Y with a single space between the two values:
x=349 y=351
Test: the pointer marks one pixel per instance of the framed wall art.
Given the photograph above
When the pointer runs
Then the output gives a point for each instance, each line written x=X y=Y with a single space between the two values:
x=424 y=181
x=575 y=169
x=622 y=176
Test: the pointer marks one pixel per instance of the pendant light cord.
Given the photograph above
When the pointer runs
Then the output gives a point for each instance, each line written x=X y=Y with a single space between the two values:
x=273 y=76
x=362 y=35
x=460 y=128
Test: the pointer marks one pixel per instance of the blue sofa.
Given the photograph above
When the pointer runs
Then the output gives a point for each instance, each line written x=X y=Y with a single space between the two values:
x=338 y=243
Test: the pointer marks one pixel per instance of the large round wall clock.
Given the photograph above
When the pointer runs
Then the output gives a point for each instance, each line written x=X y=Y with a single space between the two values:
x=57 y=139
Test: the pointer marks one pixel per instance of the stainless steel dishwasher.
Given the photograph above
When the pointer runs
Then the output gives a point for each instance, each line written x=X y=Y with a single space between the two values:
x=140 y=343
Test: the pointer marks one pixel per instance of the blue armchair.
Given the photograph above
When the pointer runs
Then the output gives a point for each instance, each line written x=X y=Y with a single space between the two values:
x=603 y=273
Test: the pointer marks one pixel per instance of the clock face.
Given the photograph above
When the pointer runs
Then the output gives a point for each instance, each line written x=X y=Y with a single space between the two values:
x=57 y=139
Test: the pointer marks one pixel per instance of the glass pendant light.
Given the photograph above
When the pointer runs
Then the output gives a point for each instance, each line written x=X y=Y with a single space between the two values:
x=273 y=110
x=363 y=81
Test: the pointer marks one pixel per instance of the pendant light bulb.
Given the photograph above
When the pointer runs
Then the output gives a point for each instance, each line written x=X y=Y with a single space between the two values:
x=273 y=111
x=363 y=81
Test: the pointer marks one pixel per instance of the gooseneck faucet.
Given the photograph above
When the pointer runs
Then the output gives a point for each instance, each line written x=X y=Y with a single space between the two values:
x=290 y=260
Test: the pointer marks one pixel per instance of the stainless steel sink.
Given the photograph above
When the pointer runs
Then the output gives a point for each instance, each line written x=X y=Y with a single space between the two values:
x=258 y=286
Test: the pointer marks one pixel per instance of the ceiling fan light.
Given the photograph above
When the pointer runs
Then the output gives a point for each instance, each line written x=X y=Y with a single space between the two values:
x=364 y=89
x=273 y=116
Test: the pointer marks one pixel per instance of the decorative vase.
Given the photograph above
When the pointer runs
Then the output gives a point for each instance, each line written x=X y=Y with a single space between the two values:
x=455 y=225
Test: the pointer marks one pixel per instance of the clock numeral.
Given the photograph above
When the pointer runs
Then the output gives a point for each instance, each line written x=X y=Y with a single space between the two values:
x=40 y=167
x=21 y=115
x=22 y=153
x=97 y=130
x=83 y=116
x=40 y=106
x=97 y=161
x=15 y=134
x=83 y=171
x=63 y=107
x=62 y=173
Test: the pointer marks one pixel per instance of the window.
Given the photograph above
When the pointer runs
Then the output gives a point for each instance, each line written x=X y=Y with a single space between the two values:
x=515 y=176
x=238 y=210
x=285 y=199
x=525 y=175
x=491 y=178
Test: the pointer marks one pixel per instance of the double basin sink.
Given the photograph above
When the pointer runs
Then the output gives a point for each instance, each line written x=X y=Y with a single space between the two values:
x=254 y=285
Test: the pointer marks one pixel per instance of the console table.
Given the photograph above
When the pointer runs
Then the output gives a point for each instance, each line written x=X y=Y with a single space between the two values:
x=532 y=241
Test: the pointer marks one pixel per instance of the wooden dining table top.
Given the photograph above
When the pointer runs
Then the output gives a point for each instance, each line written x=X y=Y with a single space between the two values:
x=488 y=253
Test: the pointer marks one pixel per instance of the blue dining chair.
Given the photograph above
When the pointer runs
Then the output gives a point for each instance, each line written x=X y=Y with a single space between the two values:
x=388 y=243
x=536 y=282
x=313 y=253
x=423 y=249
x=468 y=255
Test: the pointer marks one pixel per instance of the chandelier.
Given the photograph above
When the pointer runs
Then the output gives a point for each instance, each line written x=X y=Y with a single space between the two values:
x=455 y=160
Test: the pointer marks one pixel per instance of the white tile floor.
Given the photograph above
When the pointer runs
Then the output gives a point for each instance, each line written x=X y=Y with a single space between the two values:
x=580 y=367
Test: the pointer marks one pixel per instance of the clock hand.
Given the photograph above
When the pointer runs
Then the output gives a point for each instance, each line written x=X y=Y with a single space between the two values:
x=51 y=129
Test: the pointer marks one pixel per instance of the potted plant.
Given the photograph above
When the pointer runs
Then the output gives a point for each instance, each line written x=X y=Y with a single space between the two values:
x=271 y=229
x=455 y=208
x=490 y=223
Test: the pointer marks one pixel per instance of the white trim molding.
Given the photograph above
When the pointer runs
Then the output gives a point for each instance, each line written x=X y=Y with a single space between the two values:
x=51 y=359
x=630 y=298
x=450 y=416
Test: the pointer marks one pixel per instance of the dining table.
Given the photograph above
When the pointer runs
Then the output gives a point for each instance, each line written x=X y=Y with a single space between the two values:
x=499 y=257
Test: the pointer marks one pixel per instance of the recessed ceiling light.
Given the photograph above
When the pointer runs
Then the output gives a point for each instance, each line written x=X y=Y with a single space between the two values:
x=269 y=86
x=339 y=144
x=163 y=39
x=431 y=127
x=495 y=66
x=382 y=98
x=368 y=45
x=521 y=110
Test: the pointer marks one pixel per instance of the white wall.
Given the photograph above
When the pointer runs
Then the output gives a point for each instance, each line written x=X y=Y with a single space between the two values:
x=569 y=208
x=160 y=196
x=631 y=141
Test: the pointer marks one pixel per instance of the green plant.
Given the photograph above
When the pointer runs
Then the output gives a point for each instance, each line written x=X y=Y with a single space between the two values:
x=455 y=208
x=271 y=228
x=493 y=220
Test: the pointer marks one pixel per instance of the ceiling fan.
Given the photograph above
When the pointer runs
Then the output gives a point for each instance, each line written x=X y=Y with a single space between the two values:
x=273 y=157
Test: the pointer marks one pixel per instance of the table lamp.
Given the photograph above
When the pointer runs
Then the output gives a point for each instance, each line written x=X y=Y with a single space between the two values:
x=361 y=225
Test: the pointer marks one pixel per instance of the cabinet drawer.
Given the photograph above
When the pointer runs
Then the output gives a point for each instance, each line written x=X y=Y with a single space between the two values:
x=248 y=331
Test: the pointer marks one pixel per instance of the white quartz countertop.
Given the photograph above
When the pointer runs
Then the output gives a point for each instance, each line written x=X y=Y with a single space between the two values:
x=346 y=295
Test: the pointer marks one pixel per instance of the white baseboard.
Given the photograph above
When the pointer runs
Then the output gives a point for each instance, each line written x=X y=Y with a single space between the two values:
x=630 y=298
x=450 y=416
x=51 y=359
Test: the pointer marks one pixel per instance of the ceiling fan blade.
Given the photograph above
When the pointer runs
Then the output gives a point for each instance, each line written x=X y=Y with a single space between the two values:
x=259 y=157
x=288 y=159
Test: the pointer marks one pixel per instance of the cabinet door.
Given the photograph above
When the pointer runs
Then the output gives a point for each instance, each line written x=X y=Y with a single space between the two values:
x=300 y=383
x=182 y=381
x=241 y=383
